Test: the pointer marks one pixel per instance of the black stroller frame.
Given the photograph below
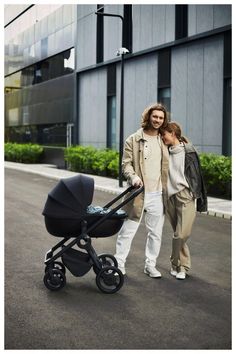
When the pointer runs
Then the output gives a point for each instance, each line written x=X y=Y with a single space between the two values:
x=109 y=278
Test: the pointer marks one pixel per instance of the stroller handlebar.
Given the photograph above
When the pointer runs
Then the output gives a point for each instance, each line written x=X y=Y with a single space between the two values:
x=135 y=193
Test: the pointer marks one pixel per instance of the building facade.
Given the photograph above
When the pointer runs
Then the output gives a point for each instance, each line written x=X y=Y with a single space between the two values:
x=63 y=75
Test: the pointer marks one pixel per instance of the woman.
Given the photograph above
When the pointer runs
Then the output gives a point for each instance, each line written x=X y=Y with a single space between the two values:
x=185 y=185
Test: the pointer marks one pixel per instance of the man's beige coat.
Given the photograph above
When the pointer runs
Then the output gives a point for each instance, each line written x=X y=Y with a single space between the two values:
x=133 y=166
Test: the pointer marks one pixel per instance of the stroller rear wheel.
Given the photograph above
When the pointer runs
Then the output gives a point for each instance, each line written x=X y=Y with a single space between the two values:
x=109 y=280
x=54 y=279
x=106 y=261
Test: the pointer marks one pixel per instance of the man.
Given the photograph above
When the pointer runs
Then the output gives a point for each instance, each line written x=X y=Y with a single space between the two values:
x=145 y=163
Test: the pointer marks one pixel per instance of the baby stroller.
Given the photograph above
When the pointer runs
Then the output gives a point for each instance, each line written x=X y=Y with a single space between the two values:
x=69 y=214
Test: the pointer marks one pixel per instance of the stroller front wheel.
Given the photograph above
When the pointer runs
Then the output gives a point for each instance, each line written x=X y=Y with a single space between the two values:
x=56 y=265
x=109 y=280
x=54 y=279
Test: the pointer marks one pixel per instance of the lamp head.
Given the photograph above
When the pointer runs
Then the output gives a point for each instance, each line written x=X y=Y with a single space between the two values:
x=121 y=51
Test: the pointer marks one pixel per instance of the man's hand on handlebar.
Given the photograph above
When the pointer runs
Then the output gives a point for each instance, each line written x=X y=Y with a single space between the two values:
x=137 y=182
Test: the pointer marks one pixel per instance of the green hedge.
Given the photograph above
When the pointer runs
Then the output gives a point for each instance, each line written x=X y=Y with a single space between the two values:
x=25 y=153
x=87 y=159
x=217 y=172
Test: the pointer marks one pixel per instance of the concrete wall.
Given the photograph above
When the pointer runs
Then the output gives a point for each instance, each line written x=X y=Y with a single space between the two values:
x=197 y=92
x=152 y=25
x=86 y=36
x=112 y=31
x=92 y=109
x=140 y=89
x=203 y=18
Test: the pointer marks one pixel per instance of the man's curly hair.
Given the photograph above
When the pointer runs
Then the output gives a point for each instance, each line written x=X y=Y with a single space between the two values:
x=147 y=112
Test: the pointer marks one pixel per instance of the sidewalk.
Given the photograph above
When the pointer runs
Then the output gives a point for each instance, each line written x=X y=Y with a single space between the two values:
x=216 y=207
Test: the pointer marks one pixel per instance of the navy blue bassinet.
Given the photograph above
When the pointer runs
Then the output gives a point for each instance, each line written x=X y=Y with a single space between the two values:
x=69 y=203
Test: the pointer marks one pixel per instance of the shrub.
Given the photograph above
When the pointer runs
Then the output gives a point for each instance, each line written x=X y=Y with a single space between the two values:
x=104 y=163
x=80 y=158
x=24 y=153
x=217 y=172
x=113 y=166
x=87 y=159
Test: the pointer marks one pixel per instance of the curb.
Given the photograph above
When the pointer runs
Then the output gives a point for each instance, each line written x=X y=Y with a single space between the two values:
x=219 y=214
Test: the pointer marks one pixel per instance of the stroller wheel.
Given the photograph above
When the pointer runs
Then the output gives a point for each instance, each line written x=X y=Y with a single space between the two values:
x=56 y=265
x=109 y=280
x=54 y=279
x=106 y=260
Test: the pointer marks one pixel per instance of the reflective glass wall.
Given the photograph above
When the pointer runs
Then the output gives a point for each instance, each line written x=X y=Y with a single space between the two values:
x=39 y=72
x=50 y=68
x=40 y=32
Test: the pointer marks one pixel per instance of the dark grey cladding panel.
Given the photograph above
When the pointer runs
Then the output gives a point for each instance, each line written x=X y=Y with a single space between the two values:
x=46 y=103
x=59 y=88
x=56 y=111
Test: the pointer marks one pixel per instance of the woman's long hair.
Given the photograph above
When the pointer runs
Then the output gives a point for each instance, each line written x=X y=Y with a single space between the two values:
x=147 y=112
x=173 y=127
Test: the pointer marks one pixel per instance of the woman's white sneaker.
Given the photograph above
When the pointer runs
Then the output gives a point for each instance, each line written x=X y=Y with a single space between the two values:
x=173 y=272
x=181 y=275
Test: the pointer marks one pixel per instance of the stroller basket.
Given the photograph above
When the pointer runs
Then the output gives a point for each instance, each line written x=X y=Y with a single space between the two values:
x=78 y=263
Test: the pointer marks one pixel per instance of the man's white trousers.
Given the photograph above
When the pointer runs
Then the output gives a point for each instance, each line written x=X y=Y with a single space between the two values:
x=154 y=220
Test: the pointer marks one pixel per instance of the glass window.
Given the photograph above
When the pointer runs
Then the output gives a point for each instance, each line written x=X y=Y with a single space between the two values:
x=54 y=135
x=111 y=126
x=13 y=116
x=37 y=74
x=69 y=60
x=44 y=47
x=164 y=68
x=181 y=21
x=227 y=118
x=38 y=51
x=164 y=97
x=13 y=82
x=27 y=76
x=100 y=35
x=45 y=70
x=32 y=51
x=25 y=117
x=56 y=66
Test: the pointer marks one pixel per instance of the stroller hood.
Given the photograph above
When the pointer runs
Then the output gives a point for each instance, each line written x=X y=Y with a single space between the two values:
x=70 y=198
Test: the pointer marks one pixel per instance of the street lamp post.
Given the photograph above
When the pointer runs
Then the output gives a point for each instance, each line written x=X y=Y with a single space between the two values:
x=121 y=52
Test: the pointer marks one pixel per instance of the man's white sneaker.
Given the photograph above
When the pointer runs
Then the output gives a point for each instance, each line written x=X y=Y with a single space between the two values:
x=122 y=269
x=181 y=275
x=173 y=272
x=152 y=272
